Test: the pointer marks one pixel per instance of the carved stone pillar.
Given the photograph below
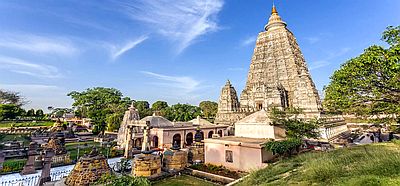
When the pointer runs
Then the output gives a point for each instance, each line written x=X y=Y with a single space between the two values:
x=129 y=143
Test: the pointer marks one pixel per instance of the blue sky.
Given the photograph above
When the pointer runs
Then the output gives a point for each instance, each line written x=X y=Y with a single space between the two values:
x=177 y=51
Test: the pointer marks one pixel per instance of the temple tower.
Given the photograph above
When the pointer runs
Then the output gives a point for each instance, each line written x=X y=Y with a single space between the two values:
x=278 y=75
x=228 y=105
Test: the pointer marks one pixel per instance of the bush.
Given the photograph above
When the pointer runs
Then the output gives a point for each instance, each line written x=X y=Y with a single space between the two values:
x=283 y=147
x=113 y=180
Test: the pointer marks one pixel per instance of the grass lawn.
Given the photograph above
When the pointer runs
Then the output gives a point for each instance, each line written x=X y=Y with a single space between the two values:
x=26 y=124
x=72 y=148
x=17 y=137
x=374 y=164
x=183 y=180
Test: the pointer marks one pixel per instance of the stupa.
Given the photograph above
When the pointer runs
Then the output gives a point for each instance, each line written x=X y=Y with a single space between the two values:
x=88 y=169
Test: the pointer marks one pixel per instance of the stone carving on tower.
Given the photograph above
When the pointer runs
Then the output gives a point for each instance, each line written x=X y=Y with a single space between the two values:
x=278 y=74
x=130 y=116
x=228 y=105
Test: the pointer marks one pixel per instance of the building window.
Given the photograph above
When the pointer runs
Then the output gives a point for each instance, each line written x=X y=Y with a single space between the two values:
x=229 y=156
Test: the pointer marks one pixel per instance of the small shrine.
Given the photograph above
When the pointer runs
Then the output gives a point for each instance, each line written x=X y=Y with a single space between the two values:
x=88 y=169
x=29 y=167
x=61 y=156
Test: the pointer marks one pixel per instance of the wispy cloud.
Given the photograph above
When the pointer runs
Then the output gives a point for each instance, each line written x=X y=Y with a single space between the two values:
x=182 y=21
x=20 y=66
x=117 y=51
x=236 y=69
x=38 y=44
x=312 y=40
x=184 y=83
x=330 y=56
x=249 y=41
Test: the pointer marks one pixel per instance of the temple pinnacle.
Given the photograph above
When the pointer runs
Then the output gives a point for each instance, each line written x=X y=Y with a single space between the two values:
x=274 y=11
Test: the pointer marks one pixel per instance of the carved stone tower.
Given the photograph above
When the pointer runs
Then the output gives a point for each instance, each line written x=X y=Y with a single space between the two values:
x=228 y=105
x=278 y=75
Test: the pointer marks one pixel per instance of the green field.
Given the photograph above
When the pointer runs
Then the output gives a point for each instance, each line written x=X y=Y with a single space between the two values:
x=375 y=164
x=72 y=148
x=183 y=180
x=26 y=124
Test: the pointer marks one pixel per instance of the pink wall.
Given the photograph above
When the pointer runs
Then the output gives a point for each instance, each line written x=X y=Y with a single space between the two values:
x=244 y=158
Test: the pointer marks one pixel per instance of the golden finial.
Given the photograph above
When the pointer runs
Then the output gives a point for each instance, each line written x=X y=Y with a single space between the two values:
x=274 y=9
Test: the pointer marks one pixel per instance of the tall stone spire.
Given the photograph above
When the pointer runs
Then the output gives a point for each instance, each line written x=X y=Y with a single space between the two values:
x=278 y=75
x=228 y=101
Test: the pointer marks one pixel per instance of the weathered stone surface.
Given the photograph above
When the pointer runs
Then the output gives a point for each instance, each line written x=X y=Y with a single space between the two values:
x=175 y=160
x=146 y=165
x=88 y=170
x=130 y=115
x=278 y=76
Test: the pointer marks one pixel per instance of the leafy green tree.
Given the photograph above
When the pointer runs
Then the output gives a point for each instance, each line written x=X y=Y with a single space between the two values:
x=368 y=84
x=98 y=103
x=159 y=105
x=182 y=112
x=209 y=109
x=114 y=121
x=296 y=129
x=39 y=113
x=30 y=112
x=9 y=111
x=143 y=108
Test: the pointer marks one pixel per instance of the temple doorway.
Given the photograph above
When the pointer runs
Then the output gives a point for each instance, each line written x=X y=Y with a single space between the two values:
x=155 y=141
x=220 y=133
x=210 y=134
x=189 y=138
x=176 y=139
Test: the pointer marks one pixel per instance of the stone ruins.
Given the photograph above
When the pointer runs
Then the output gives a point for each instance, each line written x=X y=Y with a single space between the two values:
x=278 y=77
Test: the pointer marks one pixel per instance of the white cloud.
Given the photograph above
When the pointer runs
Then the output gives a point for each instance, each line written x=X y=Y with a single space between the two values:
x=40 y=95
x=312 y=40
x=38 y=44
x=32 y=69
x=331 y=56
x=249 y=41
x=236 y=69
x=118 y=51
x=182 y=21
x=183 y=83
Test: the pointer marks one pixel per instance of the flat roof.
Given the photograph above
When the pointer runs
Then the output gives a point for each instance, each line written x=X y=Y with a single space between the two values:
x=239 y=141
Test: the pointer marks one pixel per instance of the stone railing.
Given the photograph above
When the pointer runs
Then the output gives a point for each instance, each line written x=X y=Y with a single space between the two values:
x=33 y=180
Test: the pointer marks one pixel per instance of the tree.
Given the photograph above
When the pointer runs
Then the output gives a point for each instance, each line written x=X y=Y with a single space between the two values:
x=368 y=84
x=296 y=129
x=98 y=103
x=30 y=113
x=8 y=97
x=209 y=109
x=39 y=113
x=159 y=105
x=114 y=121
x=9 y=111
x=143 y=108
x=182 y=112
